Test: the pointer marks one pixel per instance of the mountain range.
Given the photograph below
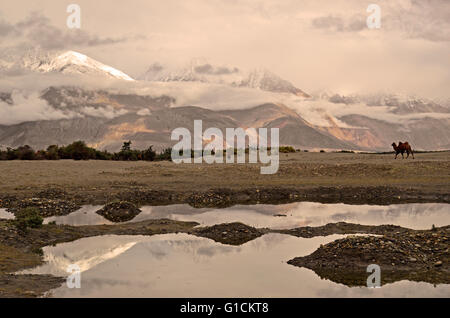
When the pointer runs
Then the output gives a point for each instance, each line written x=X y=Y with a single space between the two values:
x=145 y=110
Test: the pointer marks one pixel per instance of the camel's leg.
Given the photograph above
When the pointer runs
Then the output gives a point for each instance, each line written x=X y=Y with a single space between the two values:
x=396 y=154
x=407 y=154
x=412 y=153
x=403 y=157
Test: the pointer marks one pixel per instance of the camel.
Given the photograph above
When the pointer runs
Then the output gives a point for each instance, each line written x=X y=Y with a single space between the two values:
x=402 y=148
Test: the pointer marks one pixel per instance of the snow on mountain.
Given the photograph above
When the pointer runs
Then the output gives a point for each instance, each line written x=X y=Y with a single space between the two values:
x=69 y=62
x=199 y=70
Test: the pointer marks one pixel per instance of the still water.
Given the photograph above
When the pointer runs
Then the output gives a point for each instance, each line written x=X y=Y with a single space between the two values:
x=415 y=216
x=180 y=265
x=6 y=215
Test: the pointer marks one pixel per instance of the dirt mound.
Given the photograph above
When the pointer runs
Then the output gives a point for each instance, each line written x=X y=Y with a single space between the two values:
x=121 y=211
x=228 y=233
x=342 y=228
x=413 y=255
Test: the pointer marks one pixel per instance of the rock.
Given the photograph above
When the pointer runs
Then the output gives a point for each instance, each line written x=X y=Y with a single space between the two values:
x=438 y=263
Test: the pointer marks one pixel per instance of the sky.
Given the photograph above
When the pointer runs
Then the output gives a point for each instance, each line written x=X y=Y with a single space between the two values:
x=315 y=44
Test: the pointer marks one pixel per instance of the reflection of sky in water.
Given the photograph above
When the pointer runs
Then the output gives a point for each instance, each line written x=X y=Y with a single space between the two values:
x=6 y=215
x=84 y=216
x=416 y=216
x=180 y=265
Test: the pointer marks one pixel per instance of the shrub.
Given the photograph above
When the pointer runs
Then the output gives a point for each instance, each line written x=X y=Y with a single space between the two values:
x=103 y=155
x=322 y=151
x=77 y=151
x=149 y=154
x=52 y=153
x=166 y=154
x=286 y=149
x=28 y=218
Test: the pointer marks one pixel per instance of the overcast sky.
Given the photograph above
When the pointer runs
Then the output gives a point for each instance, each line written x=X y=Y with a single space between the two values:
x=316 y=44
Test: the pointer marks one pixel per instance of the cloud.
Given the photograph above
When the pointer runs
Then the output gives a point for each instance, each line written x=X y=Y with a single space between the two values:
x=339 y=24
x=36 y=30
x=211 y=70
x=20 y=97
x=29 y=108
x=414 y=19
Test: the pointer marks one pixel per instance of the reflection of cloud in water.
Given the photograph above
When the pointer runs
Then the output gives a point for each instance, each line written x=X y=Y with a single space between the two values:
x=181 y=265
x=416 y=216
x=58 y=258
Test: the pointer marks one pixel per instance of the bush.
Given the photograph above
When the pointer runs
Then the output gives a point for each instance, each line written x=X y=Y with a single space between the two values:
x=165 y=155
x=286 y=149
x=103 y=155
x=77 y=151
x=52 y=153
x=28 y=218
x=149 y=154
x=11 y=154
x=322 y=151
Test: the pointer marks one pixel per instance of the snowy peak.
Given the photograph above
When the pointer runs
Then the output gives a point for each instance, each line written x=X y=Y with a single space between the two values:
x=74 y=62
x=199 y=70
x=69 y=62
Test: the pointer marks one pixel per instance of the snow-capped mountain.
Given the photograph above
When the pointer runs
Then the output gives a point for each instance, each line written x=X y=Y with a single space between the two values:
x=199 y=70
x=145 y=111
x=69 y=62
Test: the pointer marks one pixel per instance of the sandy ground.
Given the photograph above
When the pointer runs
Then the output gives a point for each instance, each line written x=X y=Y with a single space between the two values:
x=429 y=173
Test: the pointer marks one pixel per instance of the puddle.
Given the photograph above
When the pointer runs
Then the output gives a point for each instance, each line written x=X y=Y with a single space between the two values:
x=415 y=216
x=181 y=265
x=6 y=215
